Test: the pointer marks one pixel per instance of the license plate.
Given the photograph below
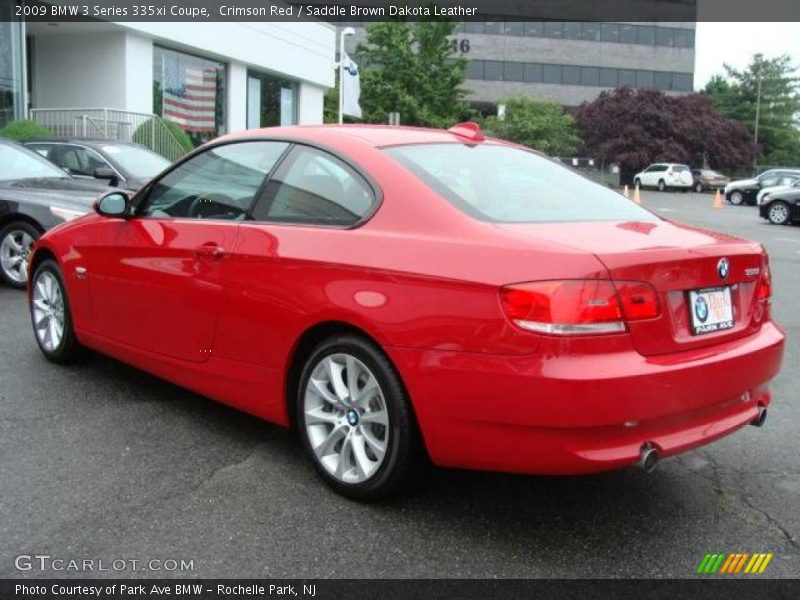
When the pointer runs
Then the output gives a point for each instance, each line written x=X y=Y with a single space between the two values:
x=711 y=310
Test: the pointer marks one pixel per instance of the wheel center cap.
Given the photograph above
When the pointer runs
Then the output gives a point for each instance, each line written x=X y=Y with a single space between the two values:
x=352 y=417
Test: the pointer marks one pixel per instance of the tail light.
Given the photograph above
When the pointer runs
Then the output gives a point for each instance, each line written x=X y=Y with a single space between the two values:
x=764 y=295
x=578 y=307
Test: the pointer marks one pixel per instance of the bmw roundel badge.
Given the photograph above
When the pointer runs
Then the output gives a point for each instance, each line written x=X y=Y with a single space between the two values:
x=723 y=268
x=701 y=309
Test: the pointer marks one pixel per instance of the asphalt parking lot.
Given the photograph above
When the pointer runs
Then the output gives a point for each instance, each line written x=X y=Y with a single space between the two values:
x=101 y=461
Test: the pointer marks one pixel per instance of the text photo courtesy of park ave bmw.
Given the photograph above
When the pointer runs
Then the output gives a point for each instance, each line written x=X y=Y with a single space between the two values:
x=365 y=299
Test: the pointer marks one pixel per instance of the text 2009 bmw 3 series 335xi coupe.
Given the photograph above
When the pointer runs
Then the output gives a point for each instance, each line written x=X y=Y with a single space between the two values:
x=405 y=295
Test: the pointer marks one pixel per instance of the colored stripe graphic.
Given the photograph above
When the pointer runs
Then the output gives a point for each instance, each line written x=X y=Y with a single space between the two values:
x=734 y=563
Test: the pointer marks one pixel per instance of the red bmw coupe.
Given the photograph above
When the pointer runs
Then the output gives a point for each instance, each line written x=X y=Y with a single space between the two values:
x=403 y=295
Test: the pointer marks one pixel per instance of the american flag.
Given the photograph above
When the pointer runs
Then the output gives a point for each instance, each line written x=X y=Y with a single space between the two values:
x=190 y=96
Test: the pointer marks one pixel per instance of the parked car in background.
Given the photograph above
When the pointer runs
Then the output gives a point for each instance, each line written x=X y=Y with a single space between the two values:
x=787 y=184
x=781 y=206
x=35 y=196
x=121 y=164
x=707 y=179
x=665 y=176
x=399 y=295
x=745 y=191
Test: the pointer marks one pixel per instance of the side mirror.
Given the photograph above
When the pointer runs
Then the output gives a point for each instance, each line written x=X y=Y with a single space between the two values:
x=106 y=173
x=113 y=204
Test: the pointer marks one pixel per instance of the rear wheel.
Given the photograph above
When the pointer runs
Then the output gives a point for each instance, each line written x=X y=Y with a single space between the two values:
x=662 y=186
x=355 y=419
x=736 y=198
x=16 y=240
x=779 y=213
x=51 y=317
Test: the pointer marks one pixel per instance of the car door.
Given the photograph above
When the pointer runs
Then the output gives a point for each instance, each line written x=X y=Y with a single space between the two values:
x=650 y=177
x=157 y=279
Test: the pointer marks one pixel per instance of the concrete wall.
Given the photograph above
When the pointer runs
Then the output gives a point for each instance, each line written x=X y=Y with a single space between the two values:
x=310 y=104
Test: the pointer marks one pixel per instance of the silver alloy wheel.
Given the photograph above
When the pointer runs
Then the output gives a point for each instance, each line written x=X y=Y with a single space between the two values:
x=662 y=187
x=737 y=198
x=779 y=213
x=15 y=250
x=346 y=418
x=699 y=188
x=48 y=311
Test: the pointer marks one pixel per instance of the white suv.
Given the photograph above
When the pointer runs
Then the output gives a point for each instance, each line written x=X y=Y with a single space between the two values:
x=664 y=176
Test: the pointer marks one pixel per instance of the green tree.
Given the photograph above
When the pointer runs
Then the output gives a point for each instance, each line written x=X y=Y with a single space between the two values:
x=537 y=124
x=736 y=94
x=24 y=130
x=411 y=68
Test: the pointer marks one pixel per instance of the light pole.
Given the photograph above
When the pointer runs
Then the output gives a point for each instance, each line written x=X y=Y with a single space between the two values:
x=758 y=115
x=344 y=33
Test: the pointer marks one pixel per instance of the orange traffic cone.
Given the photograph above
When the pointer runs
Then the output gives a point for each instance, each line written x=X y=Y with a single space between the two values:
x=626 y=192
x=717 y=200
x=636 y=197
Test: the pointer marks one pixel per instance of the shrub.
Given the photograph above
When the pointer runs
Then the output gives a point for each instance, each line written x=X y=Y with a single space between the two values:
x=24 y=130
x=143 y=135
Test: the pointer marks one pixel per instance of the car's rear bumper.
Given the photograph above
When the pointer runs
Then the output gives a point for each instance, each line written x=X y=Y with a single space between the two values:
x=571 y=414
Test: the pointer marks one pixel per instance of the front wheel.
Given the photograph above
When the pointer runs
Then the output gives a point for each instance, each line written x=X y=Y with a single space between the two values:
x=736 y=198
x=51 y=317
x=779 y=213
x=16 y=240
x=698 y=187
x=355 y=419
x=662 y=186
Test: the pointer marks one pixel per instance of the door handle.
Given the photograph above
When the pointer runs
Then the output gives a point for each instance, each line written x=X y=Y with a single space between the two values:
x=209 y=251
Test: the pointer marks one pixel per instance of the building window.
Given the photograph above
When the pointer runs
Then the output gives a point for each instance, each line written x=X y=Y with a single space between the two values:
x=571 y=75
x=665 y=36
x=474 y=69
x=644 y=79
x=684 y=38
x=682 y=82
x=493 y=70
x=554 y=29
x=608 y=77
x=627 y=77
x=271 y=101
x=515 y=28
x=646 y=35
x=627 y=34
x=609 y=32
x=591 y=32
x=590 y=76
x=11 y=65
x=189 y=91
x=663 y=80
x=474 y=27
x=534 y=28
x=494 y=27
x=513 y=71
x=552 y=74
x=533 y=73
x=572 y=30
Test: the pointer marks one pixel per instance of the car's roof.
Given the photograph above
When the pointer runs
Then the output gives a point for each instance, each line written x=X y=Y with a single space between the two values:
x=373 y=135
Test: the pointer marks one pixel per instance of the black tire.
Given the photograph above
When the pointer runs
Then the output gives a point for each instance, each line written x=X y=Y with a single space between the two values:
x=698 y=187
x=662 y=186
x=736 y=198
x=15 y=229
x=404 y=461
x=779 y=213
x=69 y=350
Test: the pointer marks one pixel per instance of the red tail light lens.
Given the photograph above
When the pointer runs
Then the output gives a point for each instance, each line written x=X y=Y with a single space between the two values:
x=564 y=307
x=578 y=307
x=765 y=285
x=639 y=300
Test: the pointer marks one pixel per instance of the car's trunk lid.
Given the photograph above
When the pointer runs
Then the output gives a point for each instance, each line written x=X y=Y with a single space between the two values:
x=674 y=259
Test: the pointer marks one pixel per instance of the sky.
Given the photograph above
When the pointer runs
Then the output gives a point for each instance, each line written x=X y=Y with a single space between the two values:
x=735 y=44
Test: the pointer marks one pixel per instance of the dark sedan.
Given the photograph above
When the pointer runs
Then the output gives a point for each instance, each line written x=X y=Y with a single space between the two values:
x=35 y=196
x=781 y=207
x=121 y=164
x=706 y=179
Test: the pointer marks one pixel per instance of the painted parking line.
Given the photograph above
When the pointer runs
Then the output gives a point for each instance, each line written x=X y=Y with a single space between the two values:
x=790 y=240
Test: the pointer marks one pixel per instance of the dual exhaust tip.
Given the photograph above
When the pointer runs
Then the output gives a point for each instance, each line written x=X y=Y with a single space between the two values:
x=649 y=456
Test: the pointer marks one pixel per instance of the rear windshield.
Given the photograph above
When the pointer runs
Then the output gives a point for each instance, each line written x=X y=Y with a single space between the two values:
x=503 y=184
x=680 y=168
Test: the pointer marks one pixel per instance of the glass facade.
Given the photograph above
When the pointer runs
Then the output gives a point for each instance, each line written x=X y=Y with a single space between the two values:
x=11 y=66
x=189 y=91
x=271 y=101
x=495 y=70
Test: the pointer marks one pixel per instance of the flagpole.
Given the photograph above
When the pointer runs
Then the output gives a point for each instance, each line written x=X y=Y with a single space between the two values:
x=345 y=32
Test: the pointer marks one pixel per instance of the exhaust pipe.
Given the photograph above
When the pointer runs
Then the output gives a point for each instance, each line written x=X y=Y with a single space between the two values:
x=760 y=418
x=648 y=458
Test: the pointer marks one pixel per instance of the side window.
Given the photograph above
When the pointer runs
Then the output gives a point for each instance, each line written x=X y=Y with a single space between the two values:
x=769 y=182
x=315 y=187
x=220 y=183
x=42 y=150
x=79 y=161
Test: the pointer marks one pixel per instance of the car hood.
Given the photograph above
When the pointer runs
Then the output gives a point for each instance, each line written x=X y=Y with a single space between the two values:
x=47 y=191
